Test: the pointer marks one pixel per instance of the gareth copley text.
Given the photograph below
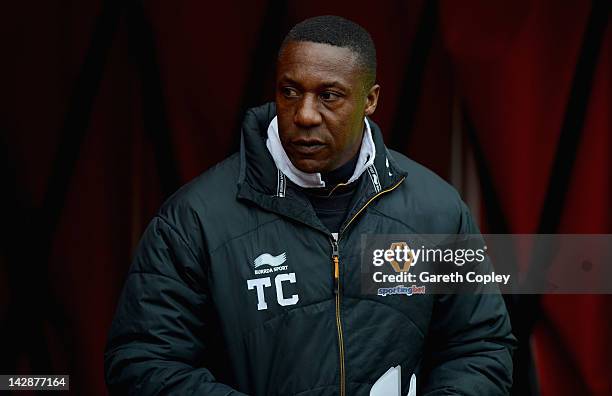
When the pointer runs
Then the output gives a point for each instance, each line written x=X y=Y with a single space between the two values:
x=455 y=277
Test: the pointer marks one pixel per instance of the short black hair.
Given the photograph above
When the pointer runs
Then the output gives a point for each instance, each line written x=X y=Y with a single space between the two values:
x=339 y=32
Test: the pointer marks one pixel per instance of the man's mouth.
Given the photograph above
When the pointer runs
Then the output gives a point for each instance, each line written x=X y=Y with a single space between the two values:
x=304 y=146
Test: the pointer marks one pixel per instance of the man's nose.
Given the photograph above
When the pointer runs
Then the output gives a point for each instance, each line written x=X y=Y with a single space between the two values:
x=307 y=114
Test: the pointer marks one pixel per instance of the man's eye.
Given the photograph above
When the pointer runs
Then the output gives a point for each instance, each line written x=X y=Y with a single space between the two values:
x=329 y=96
x=289 y=92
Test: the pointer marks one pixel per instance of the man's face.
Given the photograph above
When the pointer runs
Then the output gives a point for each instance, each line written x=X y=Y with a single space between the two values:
x=321 y=102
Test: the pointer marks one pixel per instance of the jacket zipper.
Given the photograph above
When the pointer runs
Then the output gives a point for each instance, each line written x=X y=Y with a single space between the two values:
x=337 y=294
x=337 y=286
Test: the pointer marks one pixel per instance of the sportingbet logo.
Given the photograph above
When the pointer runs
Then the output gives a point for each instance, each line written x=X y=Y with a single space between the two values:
x=274 y=262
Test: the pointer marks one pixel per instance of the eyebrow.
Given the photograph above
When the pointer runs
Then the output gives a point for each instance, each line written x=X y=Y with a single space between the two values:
x=334 y=84
x=327 y=84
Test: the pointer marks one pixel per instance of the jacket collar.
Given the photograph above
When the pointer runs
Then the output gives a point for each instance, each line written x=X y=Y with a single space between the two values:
x=367 y=154
x=261 y=181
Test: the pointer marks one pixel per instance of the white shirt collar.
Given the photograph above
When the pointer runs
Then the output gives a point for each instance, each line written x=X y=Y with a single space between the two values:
x=313 y=180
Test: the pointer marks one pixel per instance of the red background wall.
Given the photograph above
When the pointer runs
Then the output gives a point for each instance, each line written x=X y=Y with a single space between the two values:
x=107 y=107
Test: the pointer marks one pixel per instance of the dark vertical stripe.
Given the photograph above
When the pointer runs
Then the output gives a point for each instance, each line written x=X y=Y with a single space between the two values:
x=561 y=172
x=575 y=114
x=79 y=114
x=569 y=138
x=413 y=78
x=264 y=58
x=495 y=216
x=156 y=125
x=524 y=377
x=15 y=197
x=29 y=243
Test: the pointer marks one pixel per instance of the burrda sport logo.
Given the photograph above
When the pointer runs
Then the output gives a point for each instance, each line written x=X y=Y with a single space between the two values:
x=274 y=262
x=267 y=263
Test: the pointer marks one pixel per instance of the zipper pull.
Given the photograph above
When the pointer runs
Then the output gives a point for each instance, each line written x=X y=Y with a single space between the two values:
x=336 y=263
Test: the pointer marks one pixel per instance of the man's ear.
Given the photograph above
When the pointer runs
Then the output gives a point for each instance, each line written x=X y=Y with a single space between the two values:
x=372 y=100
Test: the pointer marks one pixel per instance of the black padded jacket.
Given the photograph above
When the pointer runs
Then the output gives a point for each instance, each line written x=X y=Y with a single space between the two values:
x=200 y=314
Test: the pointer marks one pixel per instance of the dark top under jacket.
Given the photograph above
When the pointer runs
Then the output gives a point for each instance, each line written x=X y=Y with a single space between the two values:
x=203 y=313
x=331 y=204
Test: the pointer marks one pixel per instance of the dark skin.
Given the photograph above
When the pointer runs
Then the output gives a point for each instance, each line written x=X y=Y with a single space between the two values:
x=321 y=101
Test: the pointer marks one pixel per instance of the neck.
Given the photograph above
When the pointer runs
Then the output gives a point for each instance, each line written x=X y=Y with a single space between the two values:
x=342 y=173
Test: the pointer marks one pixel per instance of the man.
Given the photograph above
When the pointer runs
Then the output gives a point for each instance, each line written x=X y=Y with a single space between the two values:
x=248 y=279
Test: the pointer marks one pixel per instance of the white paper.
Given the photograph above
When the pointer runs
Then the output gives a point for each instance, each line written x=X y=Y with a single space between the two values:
x=412 y=388
x=390 y=384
